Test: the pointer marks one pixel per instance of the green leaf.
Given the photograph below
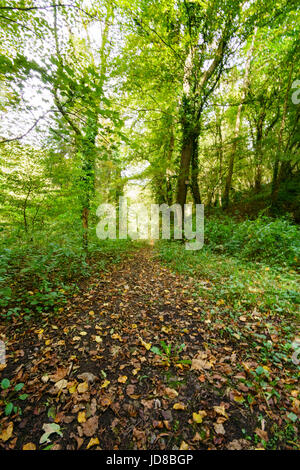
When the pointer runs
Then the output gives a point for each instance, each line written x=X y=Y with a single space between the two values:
x=5 y=384
x=19 y=387
x=156 y=350
x=24 y=396
x=51 y=412
x=50 y=429
x=292 y=417
x=8 y=408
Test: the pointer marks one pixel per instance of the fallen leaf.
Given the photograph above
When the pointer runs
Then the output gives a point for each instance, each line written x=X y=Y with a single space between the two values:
x=49 y=428
x=219 y=428
x=146 y=345
x=184 y=446
x=88 y=377
x=198 y=417
x=83 y=387
x=90 y=426
x=221 y=411
x=179 y=406
x=105 y=383
x=93 y=442
x=262 y=434
x=171 y=393
x=61 y=384
x=81 y=417
x=122 y=379
x=59 y=374
x=29 y=446
x=7 y=432
x=105 y=401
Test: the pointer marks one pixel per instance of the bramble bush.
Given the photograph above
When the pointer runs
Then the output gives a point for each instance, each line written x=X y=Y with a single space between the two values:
x=276 y=241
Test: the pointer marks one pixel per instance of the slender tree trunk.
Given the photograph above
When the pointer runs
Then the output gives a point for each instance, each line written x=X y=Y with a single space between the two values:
x=187 y=129
x=228 y=181
x=275 y=181
x=220 y=153
x=25 y=210
x=258 y=151
x=169 y=160
x=183 y=178
x=195 y=171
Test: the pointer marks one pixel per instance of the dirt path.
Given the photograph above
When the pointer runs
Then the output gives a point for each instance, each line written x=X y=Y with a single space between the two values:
x=129 y=397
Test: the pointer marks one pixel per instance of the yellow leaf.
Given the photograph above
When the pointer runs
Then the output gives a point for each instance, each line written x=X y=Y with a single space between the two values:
x=105 y=383
x=239 y=398
x=7 y=432
x=83 y=333
x=146 y=345
x=122 y=379
x=92 y=313
x=83 y=387
x=166 y=330
x=179 y=406
x=93 y=442
x=221 y=411
x=29 y=446
x=198 y=417
x=184 y=446
x=72 y=388
x=81 y=417
x=116 y=336
x=98 y=339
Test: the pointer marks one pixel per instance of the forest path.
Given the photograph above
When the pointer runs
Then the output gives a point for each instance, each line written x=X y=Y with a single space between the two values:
x=128 y=397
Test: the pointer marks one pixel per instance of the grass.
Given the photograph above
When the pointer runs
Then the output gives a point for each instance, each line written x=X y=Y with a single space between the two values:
x=249 y=264
x=243 y=284
x=39 y=273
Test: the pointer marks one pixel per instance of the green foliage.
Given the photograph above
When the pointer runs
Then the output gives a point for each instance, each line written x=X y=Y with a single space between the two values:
x=10 y=396
x=170 y=354
x=38 y=276
x=273 y=240
x=226 y=266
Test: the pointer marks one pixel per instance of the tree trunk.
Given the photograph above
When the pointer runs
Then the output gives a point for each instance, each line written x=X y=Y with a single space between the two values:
x=195 y=171
x=258 y=151
x=228 y=182
x=275 y=181
x=183 y=178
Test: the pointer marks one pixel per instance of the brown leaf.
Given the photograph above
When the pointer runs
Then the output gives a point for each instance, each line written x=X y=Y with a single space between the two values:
x=88 y=377
x=262 y=434
x=219 y=428
x=90 y=426
x=171 y=393
x=238 y=444
x=59 y=374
